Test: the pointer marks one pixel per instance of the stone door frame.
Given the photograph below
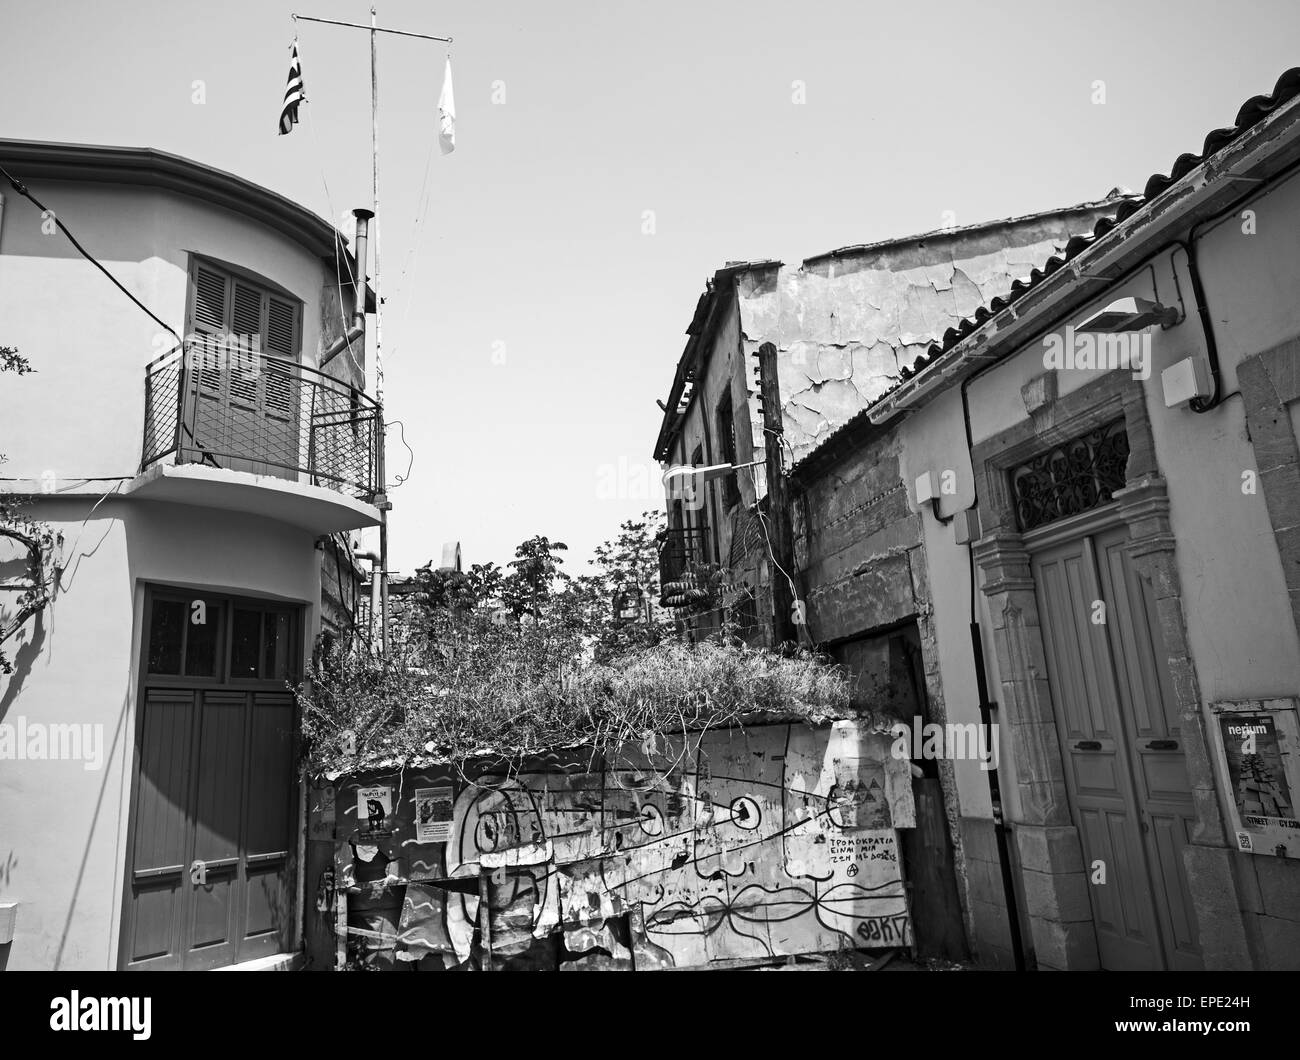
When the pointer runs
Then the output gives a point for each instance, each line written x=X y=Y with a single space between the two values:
x=1053 y=875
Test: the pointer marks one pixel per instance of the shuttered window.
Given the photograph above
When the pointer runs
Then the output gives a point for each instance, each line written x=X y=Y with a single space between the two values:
x=223 y=305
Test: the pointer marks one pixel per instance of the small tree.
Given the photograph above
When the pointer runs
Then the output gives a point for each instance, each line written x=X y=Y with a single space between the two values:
x=535 y=572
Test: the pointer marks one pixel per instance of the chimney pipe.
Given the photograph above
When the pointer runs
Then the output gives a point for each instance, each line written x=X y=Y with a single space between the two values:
x=363 y=234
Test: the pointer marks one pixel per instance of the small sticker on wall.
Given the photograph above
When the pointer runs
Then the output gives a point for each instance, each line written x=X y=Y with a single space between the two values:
x=433 y=814
x=375 y=810
x=1243 y=841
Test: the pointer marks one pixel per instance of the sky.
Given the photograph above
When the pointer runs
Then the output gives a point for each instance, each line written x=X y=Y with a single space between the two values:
x=610 y=156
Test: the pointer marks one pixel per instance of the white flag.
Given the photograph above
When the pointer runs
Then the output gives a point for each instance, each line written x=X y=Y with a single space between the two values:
x=447 y=115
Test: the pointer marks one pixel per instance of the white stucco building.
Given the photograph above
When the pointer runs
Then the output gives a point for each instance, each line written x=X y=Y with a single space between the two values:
x=197 y=499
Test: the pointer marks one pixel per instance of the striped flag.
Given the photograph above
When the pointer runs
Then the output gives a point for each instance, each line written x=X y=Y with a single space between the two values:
x=293 y=93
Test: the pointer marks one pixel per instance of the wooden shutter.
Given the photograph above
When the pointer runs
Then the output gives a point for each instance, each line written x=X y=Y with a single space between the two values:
x=281 y=328
x=246 y=323
x=210 y=317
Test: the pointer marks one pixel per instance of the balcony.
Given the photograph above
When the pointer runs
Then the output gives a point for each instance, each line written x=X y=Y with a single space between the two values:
x=259 y=434
x=682 y=550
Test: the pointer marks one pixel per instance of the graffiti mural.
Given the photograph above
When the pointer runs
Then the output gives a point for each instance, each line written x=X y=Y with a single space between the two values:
x=735 y=845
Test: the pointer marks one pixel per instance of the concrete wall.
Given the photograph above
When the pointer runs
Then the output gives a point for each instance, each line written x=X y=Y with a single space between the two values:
x=87 y=343
x=63 y=826
x=80 y=416
x=727 y=847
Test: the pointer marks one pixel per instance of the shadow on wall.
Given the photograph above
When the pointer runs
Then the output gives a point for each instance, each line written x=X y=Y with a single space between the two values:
x=98 y=881
x=23 y=659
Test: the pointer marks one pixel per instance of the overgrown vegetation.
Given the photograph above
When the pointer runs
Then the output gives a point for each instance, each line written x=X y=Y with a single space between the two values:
x=503 y=665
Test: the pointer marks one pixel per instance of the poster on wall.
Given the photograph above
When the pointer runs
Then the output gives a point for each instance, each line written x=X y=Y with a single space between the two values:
x=375 y=810
x=1255 y=741
x=1258 y=781
x=433 y=814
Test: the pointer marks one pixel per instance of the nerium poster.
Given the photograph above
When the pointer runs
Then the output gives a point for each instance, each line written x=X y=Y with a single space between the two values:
x=1255 y=771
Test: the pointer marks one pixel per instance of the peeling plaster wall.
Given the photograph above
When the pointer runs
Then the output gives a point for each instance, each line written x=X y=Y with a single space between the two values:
x=844 y=325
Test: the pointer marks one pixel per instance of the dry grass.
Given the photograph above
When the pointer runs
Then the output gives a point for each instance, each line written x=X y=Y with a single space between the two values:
x=511 y=693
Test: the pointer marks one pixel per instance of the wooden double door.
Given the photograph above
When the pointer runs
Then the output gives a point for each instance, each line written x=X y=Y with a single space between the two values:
x=1121 y=740
x=211 y=865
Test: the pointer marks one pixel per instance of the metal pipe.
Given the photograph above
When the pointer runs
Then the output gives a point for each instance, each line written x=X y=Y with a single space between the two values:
x=381 y=497
x=355 y=334
x=361 y=241
x=375 y=568
x=373 y=28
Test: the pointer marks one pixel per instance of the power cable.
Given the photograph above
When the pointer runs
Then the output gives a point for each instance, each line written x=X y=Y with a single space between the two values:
x=21 y=189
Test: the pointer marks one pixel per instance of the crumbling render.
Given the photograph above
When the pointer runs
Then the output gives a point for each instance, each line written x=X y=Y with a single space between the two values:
x=846 y=323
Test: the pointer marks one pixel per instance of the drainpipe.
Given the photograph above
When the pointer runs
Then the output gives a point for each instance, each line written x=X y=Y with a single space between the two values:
x=987 y=707
x=357 y=332
x=375 y=568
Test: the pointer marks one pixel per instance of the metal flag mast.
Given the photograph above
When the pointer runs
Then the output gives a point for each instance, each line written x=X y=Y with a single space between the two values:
x=381 y=500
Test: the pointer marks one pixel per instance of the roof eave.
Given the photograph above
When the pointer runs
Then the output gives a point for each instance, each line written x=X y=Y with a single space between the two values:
x=149 y=167
x=1262 y=151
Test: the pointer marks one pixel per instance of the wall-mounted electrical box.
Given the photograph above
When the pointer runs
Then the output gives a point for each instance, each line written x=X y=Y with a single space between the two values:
x=8 y=914
x=1185 y=380
x=966 y=526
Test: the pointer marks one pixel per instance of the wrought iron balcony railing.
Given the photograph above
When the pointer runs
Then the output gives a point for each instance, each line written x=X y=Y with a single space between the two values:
x=682 y=549
x=263 y=415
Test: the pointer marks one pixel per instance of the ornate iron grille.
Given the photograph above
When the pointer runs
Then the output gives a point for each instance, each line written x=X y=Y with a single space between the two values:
x=1069 y=479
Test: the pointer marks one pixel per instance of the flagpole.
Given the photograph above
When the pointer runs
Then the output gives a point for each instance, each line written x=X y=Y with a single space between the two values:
x=381 y=498
x=380 y=462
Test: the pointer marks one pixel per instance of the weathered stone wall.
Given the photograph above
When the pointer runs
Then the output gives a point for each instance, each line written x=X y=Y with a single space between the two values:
x=844 y=324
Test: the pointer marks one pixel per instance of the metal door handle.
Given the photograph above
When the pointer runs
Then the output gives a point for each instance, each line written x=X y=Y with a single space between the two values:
x=1088 y=745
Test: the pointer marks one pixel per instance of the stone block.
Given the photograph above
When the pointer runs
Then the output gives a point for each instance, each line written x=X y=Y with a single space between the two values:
x=1279 y=943
x=1065 y=947
x=1057 y=896
x=1048 y=849
x=1279 y=886
x=1281 y=486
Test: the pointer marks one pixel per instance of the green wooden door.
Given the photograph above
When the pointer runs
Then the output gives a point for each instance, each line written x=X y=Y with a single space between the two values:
x=210 y=868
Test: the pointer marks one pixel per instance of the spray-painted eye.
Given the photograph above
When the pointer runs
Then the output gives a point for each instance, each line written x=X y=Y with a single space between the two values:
x=652 y=821
x=745 y=813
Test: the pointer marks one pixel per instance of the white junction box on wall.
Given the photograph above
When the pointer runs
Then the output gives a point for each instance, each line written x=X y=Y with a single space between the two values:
x=1185 y=380
x=8 y=915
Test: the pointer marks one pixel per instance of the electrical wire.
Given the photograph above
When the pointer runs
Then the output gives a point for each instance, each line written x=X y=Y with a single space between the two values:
x=73 y=547
x=401 y=428
x=340 y=262
x=762 y=522
x=421 y=212
x=21 y=189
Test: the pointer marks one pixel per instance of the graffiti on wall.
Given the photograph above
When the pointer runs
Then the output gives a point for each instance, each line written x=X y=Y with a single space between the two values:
x=736 y=845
